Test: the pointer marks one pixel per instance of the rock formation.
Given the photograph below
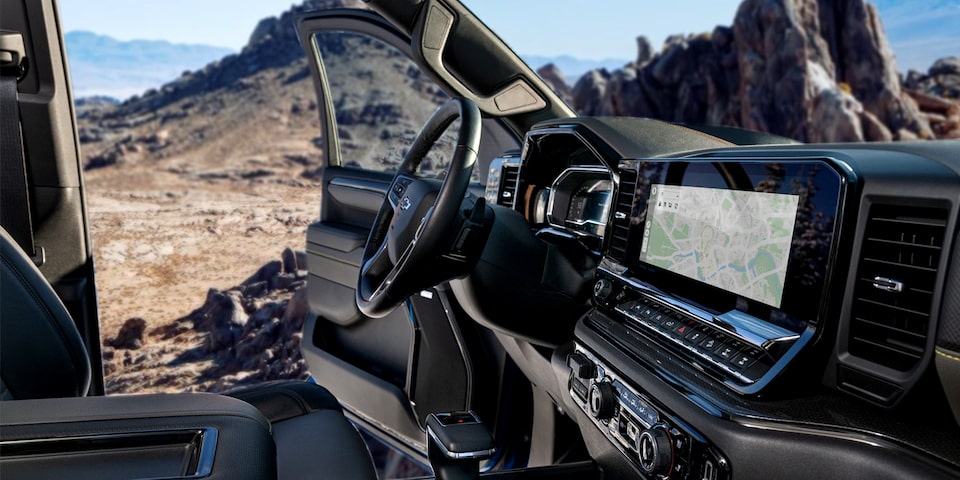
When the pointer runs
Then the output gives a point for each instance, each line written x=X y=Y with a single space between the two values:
x=812 y=70
x=937 y=93
x=552 y=74
x=245 y=334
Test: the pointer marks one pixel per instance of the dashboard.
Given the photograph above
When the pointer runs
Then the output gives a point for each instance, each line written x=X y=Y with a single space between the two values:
x=745 y=295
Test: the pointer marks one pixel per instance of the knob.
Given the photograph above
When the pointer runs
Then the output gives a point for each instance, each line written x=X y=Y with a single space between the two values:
x=603 y=400
x=655 y=451
x=602 y=290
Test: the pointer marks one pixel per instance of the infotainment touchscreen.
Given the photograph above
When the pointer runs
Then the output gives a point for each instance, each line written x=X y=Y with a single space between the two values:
x=735 y=240
x=730 y=235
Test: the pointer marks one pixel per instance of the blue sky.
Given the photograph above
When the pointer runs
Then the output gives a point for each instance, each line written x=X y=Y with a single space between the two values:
x=919 y=30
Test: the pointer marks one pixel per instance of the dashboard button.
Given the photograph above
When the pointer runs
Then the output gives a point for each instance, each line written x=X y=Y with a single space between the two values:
x=695 y=336
x=709 y=343
x=741 y=361
x=657 y=318
x=734 y=344
x=669 y=323
x=724 y=352
x=582 y=367
x=579 y=389
x=757 y=370
x=754 y=352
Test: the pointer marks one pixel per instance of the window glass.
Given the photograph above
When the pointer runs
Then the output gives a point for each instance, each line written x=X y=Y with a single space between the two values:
x=381 y=99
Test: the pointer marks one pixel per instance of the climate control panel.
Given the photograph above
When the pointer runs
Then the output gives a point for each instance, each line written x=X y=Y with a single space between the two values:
x=660 y=445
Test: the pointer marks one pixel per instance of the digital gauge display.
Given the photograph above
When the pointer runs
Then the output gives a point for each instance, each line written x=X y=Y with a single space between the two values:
x=590 y=206
x=580 y=201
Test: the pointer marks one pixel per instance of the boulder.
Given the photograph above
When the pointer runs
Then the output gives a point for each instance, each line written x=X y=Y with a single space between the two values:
x=806 y=69
x=589 y=92
x=130 y=336
x=552 y=74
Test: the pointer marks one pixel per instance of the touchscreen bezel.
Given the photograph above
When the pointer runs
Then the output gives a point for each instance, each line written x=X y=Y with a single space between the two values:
x=809 y=259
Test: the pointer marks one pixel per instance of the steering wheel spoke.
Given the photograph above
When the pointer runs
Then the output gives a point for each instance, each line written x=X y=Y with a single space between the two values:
x=401 y=183
x=404 y=252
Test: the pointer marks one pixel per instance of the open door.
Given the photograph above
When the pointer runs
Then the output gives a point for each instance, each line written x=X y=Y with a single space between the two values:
x=426 y=356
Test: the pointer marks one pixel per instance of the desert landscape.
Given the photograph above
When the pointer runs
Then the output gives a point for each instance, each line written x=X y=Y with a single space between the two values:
x=200 y=191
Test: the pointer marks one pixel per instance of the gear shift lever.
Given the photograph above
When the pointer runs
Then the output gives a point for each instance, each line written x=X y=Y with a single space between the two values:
x=456 y=443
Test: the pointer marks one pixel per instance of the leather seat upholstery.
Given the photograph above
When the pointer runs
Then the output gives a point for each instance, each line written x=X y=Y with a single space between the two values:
x=42 y=356
x=41 y=353
x=299 y=410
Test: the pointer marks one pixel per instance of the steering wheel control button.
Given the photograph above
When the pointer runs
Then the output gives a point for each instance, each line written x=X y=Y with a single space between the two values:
x=655 y=452
x=602 y=401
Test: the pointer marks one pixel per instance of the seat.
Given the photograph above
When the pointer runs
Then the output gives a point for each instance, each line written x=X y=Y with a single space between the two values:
x=42 y=356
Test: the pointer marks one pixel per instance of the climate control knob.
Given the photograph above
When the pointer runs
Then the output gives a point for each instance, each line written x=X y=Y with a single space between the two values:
x=602 y=290
x=603 y=400
x=655 y=451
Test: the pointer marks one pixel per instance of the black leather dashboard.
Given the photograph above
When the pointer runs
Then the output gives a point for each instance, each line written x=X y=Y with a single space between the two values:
x=866 y=387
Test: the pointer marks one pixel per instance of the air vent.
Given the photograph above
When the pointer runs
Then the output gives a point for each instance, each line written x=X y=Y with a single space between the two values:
x=896 y=279
x=623 y=210
x=508 y=185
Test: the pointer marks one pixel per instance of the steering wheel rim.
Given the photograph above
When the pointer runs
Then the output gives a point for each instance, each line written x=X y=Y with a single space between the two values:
x=409 y=228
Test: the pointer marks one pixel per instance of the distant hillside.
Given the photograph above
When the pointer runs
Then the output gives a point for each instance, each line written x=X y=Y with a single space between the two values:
x=103 y=66
x=573 y=68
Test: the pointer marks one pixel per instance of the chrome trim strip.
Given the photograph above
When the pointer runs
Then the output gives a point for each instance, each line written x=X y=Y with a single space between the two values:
x=206 y=453
x=887 y=284
x=357 y=184
x=752 y=338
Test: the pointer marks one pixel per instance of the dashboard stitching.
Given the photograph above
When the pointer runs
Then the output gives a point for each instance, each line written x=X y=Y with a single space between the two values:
x=705 y=135
x=947 y=355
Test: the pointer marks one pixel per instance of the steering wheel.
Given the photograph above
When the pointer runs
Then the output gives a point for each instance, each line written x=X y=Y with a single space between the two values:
x=413 y=242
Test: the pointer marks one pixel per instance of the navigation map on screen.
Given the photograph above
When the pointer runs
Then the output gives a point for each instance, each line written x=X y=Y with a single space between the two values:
x=735 y=240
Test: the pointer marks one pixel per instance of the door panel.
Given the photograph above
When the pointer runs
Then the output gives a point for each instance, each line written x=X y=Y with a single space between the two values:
x=389 y=373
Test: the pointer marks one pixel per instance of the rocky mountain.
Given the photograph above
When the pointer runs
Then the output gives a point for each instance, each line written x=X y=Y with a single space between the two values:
x=812 y=70
x=101 y=65
x=255 y=103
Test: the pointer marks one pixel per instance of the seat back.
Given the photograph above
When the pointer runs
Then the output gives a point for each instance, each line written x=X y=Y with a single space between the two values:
x=41 y=353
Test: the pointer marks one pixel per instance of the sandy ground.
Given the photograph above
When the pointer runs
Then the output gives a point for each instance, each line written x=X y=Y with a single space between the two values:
x=162 y=240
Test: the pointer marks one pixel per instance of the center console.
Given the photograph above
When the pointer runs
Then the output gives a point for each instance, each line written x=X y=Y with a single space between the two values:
x=724 y=266
x=654 y=440
x=723 y=262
